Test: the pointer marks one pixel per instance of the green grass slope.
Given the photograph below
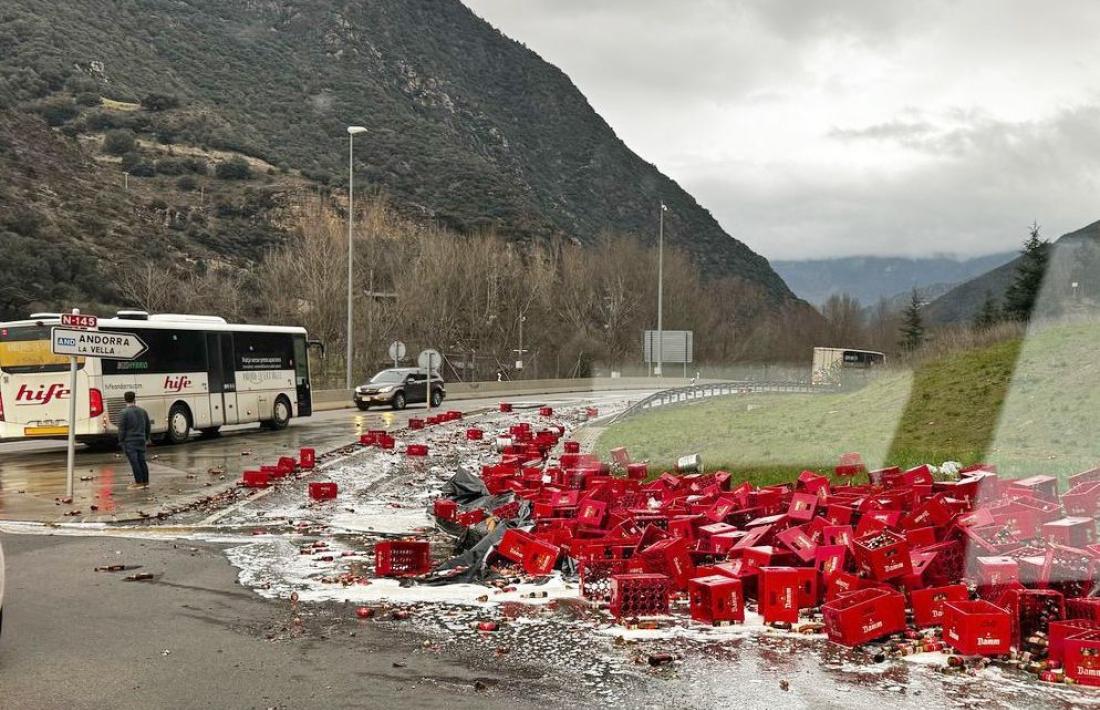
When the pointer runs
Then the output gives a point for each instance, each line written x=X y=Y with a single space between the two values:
x=946 y=410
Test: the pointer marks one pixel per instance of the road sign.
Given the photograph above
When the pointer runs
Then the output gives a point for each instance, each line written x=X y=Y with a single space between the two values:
x=89 y=343
x=397 y=351
x=676 y=346
x=75 y=320
x=429 y=359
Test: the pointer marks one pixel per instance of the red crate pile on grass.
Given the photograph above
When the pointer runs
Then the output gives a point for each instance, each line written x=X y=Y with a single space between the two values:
x=871 y=547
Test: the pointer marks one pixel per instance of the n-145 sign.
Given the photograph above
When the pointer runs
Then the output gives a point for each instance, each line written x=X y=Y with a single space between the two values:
x=94 y=343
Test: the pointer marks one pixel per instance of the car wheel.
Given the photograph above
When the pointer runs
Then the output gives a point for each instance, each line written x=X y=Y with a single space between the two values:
x=179 y=424
x=280 y=414
x=399 y=400
x=437 y=398
x=363 y=406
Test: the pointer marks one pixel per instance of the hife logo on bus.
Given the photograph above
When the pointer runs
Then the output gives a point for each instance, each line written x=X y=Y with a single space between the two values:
x=177 y=384
x=43 y=394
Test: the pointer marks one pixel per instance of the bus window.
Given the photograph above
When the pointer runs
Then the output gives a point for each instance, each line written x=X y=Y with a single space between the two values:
x=26 y=349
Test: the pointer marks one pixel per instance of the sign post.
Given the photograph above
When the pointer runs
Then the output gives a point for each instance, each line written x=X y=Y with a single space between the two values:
x=429 y=359
x=78 y=338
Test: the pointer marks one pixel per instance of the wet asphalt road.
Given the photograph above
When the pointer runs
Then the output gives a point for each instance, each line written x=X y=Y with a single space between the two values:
x=32 y=473
x=192 y=638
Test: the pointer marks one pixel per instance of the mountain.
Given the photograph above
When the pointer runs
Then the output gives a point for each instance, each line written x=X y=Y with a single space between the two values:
x=467 y=129
x=869 y=278
x=1075 y=259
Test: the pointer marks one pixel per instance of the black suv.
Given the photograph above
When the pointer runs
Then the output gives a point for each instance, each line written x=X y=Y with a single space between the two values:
x=399 y=386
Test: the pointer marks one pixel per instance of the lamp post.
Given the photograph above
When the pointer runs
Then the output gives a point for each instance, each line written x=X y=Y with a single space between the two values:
x=352 y=132
x=660 y=292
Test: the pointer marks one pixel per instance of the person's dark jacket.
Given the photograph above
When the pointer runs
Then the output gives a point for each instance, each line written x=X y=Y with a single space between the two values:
x=134 y=427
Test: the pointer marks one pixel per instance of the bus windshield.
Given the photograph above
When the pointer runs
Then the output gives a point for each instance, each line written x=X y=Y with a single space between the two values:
x=26 y=349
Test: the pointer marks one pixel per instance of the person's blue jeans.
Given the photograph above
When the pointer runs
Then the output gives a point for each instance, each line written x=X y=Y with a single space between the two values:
x=136 y=455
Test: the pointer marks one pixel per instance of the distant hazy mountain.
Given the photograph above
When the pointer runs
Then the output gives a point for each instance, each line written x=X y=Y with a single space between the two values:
x=1076 y=259
x=870 y=278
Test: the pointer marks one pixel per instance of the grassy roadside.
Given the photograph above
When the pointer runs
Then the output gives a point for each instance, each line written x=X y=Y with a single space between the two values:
x=948 y=409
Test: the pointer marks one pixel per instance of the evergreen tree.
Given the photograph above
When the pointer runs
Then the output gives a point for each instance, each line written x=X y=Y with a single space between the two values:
x=912 y=325
x=1021 y=295
x=989 y=314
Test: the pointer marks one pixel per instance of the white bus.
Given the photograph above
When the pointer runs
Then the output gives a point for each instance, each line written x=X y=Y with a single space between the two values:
x=198 y=374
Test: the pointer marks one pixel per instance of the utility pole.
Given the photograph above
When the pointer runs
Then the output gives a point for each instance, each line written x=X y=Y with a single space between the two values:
x=519 y=352
x=660 y=292
x=352 y=132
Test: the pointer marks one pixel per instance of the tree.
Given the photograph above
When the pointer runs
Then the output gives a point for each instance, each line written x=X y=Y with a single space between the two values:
x=845 y=320
x=989 y=314
x=119 y=142
x=235 y=169
x=912 y=325
x=159 y=102
x=1021 y=296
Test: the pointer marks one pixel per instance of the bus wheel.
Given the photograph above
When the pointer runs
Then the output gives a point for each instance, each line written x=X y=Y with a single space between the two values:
x=210 y=432
x=281 y=414
x=179 y=424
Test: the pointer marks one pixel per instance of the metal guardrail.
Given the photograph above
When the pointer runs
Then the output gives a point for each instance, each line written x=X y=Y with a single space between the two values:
x=691 y=393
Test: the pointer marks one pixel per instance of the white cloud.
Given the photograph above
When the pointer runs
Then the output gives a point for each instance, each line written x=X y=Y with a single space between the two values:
x=841 y=127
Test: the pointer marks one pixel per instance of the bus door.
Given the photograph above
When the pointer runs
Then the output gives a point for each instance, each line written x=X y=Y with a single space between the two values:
x=222 y=376
x=301 y=378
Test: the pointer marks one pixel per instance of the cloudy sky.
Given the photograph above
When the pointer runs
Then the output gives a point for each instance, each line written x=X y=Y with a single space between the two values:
x=816 y=128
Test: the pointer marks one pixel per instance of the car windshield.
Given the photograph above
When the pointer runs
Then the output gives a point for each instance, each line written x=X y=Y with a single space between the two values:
x=387 y=377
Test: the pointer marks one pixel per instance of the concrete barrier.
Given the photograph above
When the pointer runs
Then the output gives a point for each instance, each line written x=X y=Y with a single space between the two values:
x=325 y=400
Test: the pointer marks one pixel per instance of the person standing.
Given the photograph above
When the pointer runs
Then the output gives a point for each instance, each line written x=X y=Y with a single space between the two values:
x=134 y=429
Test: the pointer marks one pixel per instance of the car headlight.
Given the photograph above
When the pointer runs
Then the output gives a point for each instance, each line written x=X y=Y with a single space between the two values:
x=387 y=388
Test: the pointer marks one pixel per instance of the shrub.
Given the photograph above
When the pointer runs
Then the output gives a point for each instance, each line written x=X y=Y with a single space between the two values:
x=235 y=169
x=87 y=98
x=159 y=102
x=196 y=165
x=58 y=113
x=187 y=183
x=119 y=142
x=143 y=168
x=170 y=166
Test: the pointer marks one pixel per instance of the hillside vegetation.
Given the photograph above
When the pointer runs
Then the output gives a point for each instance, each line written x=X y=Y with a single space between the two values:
x=468 y=130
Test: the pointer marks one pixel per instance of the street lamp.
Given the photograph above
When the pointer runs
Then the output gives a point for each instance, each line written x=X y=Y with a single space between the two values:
x=660 y=292
x=352 y=132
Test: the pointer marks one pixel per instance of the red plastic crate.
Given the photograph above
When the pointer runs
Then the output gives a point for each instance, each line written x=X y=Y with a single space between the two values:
x=716 y=599
x=830 y=560
x=546 y=411
x=1083 y=608
x=977 y=628
x=416 y=424
x=799 y=542
x=802 y=506
x=596 y=576
x=445 y=509
x=883 y=555
x=864 y=615
x=326 y=490
x=672 y=558
x=256 y=479
x=778 y=594
x=385 y=441
x=287 y=464
x=507 y=511
x=471 y=517
x=635 y=595
x=1074 y=531
x=513 y=545
x=1031 y=610
x=539 y=557
x=368 y=439
x=992 y=574
x=928 y=604
x=505 y=407
x=1082 y=658
x=474 y=435
x=1064 y=629
x=402 y=558
x=1042 y=487
x=1083 y=499
x=307 y=458
x=417 y=450
x=572 y=447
